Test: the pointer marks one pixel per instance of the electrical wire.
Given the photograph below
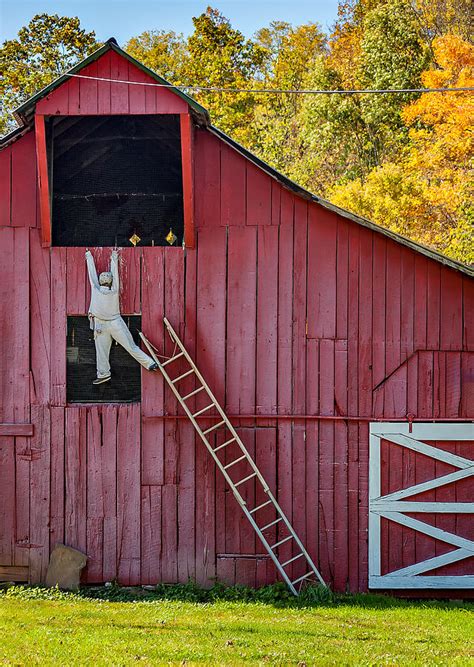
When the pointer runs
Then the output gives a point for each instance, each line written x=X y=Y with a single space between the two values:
x=278 y=91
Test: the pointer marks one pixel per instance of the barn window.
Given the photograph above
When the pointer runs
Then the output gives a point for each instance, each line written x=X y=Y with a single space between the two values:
x=125 y=385
x=115 y=178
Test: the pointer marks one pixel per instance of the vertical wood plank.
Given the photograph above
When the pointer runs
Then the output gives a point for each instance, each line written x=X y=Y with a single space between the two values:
x=57 y=477
x=103 y=87
x=128 y=495
x=407 y=304
x=88 y=90
x=40 y=493
x=451 y=310
x=207 y=180
x=322 y=247
x=259 y=196
x=341 y=507
x=434 y=306
x=342 y=282
x=76 y=283
x=267 y=321
x=352 y=406
x=241 y=316
x=119 y=102
x=468 y=314
x=22 y=500
x=23 y=191
x=210 y=355
x=312 y=450
x=136 y=93
x=7 y=500
x=187 y=456
x=392 y=313
x=326 y=459
x=187 y=161
x=76 y=475
x=298 y=458
x=109 y=485
x=285 y=338
x=130 y=278
x=169 y=533
x=233 y=191
x=74 y=99
x=276 y=211
x=40 y=319
x=151 y=557
x=420 y=305
x=365 y=323
x=95 y=497
x=58 y=326
x=5 y=186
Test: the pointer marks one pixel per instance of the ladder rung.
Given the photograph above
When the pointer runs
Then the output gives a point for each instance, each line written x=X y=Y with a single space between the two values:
x=229 y=465
x=245 y=479
x=184 y=375
x=213 y=428
x=259 y=507
x=177 y=356
x=196 y=391
x=292 y=559
x=296 y=581
x=272 y=523
x=196 y=414
x=224 y=444
x=277 y=544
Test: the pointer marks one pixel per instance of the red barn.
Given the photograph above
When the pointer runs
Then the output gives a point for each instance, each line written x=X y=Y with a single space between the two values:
x=341 y=352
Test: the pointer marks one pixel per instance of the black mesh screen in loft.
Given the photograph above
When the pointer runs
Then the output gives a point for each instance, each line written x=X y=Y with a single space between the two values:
x=115 y=176
x=125 y=385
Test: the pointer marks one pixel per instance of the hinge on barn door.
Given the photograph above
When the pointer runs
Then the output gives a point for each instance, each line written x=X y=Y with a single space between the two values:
x=287 y=536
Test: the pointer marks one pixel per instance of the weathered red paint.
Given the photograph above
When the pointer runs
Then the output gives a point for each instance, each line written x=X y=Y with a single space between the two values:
x=306 y=326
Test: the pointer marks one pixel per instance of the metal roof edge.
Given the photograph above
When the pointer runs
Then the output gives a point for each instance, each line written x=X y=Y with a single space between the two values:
x=364 y=222
x=14 y=135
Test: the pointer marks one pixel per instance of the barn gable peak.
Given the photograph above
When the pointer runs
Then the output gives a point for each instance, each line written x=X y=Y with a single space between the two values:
x=24 y=114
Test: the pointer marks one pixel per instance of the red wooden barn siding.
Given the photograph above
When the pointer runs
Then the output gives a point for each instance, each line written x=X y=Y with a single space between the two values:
x=289 y=310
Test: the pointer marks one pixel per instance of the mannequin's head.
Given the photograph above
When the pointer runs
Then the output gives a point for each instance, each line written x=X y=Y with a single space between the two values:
x=105 y=279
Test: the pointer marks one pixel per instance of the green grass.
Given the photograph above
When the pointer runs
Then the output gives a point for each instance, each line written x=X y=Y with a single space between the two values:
x=181 y=624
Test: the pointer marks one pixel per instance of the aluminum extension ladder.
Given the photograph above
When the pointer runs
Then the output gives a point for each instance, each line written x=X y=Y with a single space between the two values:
x=251 y=514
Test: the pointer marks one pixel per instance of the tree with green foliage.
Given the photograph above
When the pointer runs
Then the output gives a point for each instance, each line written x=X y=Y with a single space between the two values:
x=44 y=49
x=166 y=53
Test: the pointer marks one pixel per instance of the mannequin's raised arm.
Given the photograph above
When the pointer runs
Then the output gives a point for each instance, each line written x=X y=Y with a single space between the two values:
x=91 y=270
x=114 y=270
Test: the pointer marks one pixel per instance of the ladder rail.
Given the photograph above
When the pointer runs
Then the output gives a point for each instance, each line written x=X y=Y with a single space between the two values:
x=174 y=337
x=249 y=513
x=237 y=495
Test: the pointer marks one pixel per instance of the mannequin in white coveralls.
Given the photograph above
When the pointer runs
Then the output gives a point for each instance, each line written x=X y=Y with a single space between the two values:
x=104 y=315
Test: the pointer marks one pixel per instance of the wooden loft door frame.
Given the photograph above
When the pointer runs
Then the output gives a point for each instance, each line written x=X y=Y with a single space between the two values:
x=187 y=161
x=43 y=180
x=187 y=157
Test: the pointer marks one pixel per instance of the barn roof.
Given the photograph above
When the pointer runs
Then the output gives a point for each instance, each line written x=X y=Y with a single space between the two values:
x=24 y=115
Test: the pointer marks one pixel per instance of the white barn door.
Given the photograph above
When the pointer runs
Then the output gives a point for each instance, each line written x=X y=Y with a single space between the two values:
x=397 y=506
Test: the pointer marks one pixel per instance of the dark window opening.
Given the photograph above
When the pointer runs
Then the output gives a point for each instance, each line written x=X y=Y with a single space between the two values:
x=113 y=177
x=125 y=385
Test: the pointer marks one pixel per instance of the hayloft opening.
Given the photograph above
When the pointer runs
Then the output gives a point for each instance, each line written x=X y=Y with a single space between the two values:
x=113 y=178
x=125 y=385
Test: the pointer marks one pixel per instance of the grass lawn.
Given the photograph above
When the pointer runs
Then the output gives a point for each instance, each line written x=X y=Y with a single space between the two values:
x=49 y=627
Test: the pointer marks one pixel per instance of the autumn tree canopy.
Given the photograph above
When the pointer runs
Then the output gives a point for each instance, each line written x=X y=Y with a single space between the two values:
x=402 y=160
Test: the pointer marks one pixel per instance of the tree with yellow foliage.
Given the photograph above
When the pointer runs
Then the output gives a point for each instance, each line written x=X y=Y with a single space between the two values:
x=427 y=193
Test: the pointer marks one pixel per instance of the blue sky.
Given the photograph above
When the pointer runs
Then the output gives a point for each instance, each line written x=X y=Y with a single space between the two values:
x=127 y=18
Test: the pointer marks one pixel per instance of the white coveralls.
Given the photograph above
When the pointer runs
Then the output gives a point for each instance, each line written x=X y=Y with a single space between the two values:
x=104 y=313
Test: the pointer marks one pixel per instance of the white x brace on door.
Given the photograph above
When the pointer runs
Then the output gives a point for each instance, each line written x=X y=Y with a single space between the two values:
x=395 y=506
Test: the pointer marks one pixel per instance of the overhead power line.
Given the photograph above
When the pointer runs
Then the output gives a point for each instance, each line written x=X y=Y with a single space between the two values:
x=278 y=91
